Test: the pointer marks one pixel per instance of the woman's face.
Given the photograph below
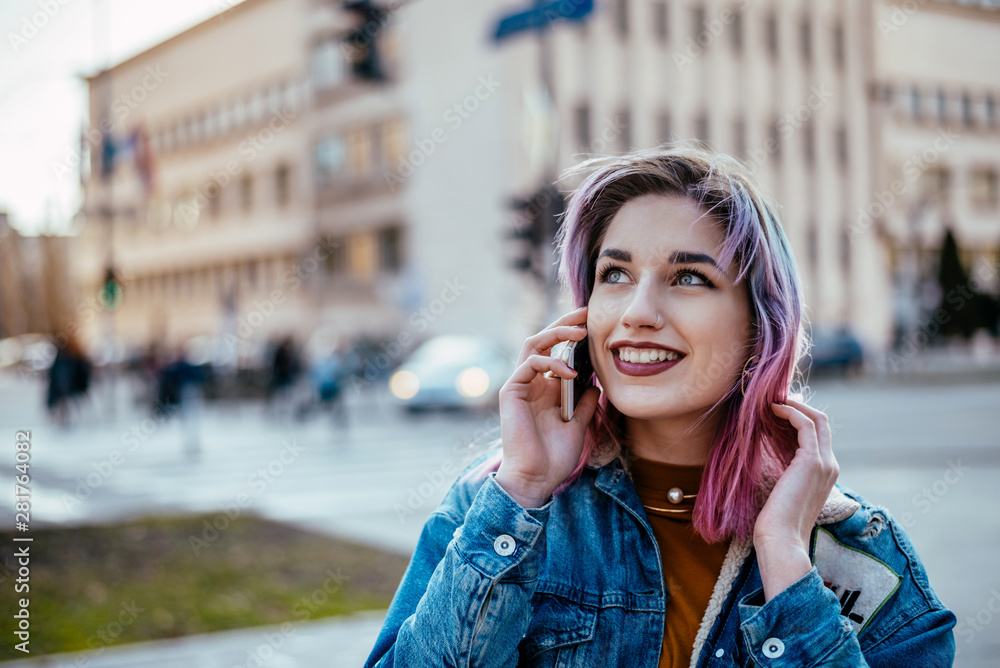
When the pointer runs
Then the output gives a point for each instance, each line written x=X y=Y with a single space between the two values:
x=653 y=261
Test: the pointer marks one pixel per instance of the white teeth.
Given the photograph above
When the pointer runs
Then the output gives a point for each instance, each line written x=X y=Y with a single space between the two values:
x=646 y=355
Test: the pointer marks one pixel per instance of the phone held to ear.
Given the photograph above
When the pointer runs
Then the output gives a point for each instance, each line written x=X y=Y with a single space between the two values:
x=576 y=355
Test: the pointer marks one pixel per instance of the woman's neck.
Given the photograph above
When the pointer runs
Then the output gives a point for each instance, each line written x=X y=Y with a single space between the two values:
x=671 y=441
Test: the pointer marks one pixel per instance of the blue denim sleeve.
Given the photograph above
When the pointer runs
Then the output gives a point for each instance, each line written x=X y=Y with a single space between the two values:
x=465 y=598
x=802 y=626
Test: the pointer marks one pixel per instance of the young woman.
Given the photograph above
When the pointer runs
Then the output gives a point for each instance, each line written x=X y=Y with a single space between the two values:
x=688 y=514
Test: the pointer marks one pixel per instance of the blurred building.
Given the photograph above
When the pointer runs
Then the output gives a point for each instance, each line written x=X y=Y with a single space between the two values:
x=36 y=291
x=935 y=105
x=290 y=182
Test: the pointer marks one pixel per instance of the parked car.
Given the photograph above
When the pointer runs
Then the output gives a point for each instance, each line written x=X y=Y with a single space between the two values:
x=451 y=371
x=835 y=350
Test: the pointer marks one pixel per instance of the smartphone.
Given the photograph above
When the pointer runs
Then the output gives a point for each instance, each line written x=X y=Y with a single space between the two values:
x=576 y=355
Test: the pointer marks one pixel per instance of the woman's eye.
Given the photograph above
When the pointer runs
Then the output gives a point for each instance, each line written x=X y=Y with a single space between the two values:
x=612 y=276
x=687 y=278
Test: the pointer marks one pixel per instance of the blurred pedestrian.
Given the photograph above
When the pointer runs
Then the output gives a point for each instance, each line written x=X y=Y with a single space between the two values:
x=286 y=367
x=180 y=389
x=328 y=374
x=69 y=381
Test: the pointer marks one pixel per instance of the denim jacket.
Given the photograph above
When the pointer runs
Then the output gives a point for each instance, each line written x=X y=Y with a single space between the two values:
x=578 y=582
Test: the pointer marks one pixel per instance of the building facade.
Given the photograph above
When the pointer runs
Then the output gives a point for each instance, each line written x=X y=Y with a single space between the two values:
x=286 y=194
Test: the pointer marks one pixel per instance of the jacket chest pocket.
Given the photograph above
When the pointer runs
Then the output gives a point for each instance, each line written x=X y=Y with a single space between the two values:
x=557 y=634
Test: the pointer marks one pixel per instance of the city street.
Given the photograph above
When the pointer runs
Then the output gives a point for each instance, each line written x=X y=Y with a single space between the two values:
x=929 y=451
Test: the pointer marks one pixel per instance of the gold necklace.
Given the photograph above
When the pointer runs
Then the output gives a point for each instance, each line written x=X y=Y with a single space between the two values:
x=675 y=496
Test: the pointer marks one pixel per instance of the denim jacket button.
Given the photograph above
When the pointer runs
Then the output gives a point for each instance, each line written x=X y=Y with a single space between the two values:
x=503 y=545
x=719 y=653
x=773 y=648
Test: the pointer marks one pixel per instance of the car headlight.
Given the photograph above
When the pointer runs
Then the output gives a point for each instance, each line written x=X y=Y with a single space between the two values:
x=472 y=382
x=404 y=384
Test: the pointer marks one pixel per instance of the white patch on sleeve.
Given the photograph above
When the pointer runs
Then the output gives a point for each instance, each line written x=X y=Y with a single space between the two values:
x=862 y=582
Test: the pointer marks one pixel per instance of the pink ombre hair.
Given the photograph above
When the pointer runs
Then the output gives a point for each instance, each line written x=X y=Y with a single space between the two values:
x=750 y=441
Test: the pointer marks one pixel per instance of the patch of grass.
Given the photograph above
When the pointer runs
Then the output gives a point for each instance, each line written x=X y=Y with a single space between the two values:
x=148 y=579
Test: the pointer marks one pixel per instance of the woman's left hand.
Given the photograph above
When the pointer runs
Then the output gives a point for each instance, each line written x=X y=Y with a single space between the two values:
x=784 y=525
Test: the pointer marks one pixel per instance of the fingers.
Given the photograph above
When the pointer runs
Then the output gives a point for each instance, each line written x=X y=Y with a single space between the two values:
x=535 y=364
x=822 y=424
x=585 y=410
x=813 y=428
x=570 y=327
x=574 y=317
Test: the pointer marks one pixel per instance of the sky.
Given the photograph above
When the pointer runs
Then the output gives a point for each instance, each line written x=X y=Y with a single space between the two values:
x=46 y=46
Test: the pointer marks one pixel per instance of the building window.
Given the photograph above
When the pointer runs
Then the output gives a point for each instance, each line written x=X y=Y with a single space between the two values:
x=812 y=245
x=985 y=194
x=771 y=34
x=966 y=110
x=240 y=113
x=936 y=181
x=625 y=123
x=336 y=261
x=774 y=138
x=359 y=152
x=942 y=106
x=740 y=137
x=663 y=126
x=841 y=143
x=698 y=22
x=915 y=106
x=660 y=21
x=621 y=18
x=281 y=185
x=211 y=127
x=805 y=30
x=290 y=96
x=736 y=31
x=246 y=193
x=331 y=156
x=389 y=251
x=214 y=195
x=845 y=250
x=991 y=111
x=809 y=142
x=701 y=126
x=328 y=65
x=393 y=141
x=581 y=125
x=838 y=44
x=257 y=104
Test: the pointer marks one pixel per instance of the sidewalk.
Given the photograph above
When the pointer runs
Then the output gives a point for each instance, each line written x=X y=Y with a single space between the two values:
x=339 y=642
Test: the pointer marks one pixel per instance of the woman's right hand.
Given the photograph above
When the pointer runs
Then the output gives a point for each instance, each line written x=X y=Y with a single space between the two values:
x=540 y=450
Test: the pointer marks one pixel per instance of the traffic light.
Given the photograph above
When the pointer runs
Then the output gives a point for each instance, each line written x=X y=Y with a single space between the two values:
x=537 y=219
x=361 y=44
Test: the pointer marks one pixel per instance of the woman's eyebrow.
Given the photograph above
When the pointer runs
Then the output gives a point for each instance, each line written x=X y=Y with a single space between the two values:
x=677 y=257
